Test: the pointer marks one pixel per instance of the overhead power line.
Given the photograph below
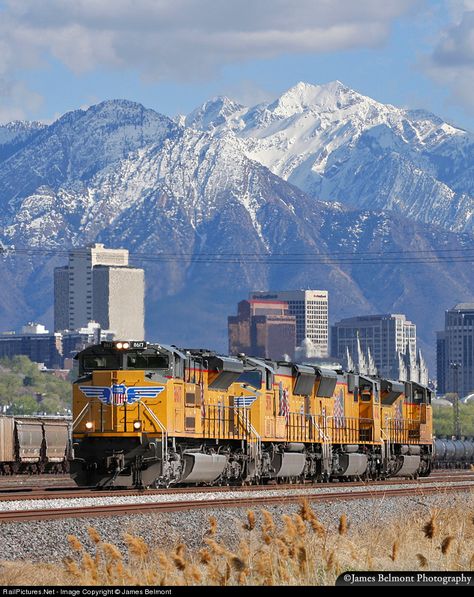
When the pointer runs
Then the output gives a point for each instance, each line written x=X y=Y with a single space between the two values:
x=398 y=257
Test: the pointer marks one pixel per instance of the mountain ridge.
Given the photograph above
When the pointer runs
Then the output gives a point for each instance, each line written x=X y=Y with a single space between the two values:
x=128 y=176
x=321 y=137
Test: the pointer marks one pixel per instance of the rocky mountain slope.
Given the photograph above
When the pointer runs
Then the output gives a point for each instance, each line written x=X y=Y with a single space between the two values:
x=210 y=220
x=338 y=145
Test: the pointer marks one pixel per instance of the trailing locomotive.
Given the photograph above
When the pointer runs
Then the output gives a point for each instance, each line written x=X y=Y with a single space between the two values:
x=154 y=415
x=31 y=444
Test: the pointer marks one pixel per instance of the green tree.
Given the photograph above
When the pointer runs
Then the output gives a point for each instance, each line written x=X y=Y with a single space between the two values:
x=21 y=382
x=443 y=422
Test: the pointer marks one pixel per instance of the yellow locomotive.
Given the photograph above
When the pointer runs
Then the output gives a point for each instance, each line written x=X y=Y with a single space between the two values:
x=151 y=415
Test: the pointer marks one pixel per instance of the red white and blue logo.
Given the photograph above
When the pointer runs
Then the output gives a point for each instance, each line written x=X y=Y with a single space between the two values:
x=119 y=394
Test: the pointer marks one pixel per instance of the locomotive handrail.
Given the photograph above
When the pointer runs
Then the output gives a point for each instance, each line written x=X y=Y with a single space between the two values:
x=402 y=430
x=230 y=420
x=250 y=429
x=80 y=416
x=322 y=433
x=164 y=433
x=343 y=429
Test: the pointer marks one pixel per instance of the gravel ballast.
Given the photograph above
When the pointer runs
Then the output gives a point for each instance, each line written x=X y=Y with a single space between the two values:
x=47 y=540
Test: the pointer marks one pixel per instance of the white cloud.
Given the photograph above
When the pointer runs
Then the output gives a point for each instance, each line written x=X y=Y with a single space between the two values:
x=184 y=40
x=248 y=93
x=177 y=38
x=17 y=101
x=451 y=63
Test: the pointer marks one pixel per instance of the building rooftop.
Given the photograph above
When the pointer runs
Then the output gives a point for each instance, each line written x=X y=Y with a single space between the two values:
x=265 y=302
x=464 y=307
x=375 y=317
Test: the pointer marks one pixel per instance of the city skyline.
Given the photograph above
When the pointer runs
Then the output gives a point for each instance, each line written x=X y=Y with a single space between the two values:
x=57 y=345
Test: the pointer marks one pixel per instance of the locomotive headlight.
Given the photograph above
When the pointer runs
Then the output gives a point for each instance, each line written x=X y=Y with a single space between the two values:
x=90 y=426
x=137 y=425
x=122 y=345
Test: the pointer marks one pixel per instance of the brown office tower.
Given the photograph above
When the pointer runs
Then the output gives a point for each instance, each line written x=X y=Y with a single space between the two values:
x=262 y=329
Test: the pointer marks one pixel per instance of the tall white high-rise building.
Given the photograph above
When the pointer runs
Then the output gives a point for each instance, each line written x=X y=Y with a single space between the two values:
x=310 y=307
x=74 y=289
x=118 y=300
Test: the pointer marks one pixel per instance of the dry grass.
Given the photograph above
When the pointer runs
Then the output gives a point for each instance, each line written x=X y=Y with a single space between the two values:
x=296 y=550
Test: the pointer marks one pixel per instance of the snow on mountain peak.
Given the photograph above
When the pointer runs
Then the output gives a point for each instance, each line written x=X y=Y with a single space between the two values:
x=213 y=113
x=305 y=96
x=331 y=142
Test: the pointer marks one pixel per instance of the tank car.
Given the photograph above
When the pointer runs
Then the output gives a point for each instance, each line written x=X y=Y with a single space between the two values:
x=453 y=452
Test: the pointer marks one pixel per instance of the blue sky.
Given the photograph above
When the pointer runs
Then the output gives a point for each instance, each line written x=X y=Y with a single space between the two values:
x=171 y=55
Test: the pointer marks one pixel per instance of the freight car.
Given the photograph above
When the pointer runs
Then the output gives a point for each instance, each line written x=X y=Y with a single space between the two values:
x=453 y=452
x=34 y=444
x=155 y=415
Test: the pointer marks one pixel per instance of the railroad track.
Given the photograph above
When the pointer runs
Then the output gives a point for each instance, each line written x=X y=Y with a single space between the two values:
x=244 y=502
x=38 y=493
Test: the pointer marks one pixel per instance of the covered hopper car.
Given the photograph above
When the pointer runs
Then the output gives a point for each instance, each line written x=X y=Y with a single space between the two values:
x=33 y=444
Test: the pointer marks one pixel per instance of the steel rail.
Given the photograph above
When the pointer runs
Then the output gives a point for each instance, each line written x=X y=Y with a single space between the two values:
x=247 y=502
x=38 y=493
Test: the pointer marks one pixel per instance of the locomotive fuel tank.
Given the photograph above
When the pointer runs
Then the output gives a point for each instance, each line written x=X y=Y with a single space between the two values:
x=352 y=465
x=288 y=464
x=202 y=468
x=410 y=465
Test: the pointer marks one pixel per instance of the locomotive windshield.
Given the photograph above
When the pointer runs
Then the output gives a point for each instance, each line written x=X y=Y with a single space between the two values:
x=140 y=360
x=93 y=362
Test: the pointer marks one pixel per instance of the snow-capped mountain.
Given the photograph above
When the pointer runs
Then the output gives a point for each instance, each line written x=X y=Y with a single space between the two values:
x=338 y=145
x=210 y=220
x=14 y=135
x=71 y=150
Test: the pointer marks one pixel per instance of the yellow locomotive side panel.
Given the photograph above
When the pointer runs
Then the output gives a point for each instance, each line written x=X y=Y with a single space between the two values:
x=376 y=412
x=426 y=427
x=269 y=414
x=178 y=406
x=283 y=407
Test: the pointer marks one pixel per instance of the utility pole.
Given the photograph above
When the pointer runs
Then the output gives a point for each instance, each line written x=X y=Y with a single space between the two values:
x=456 y=415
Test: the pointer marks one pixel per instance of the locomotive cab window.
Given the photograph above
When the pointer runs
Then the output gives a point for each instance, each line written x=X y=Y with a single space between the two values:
x=417 y=396
x=140 y=360
x=92 y=362
x=251 y=378
x=365 y=394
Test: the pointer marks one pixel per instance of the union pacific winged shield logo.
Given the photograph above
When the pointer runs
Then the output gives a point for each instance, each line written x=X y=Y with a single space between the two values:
x=118 y=394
